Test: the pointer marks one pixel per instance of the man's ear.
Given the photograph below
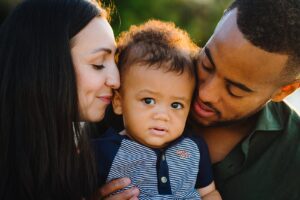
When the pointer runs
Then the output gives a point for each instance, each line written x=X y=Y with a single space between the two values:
x=117 y=103
x=286 y=90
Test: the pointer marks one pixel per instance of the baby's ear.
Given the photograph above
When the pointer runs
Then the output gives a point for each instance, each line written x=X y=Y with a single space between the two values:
x=117 y=103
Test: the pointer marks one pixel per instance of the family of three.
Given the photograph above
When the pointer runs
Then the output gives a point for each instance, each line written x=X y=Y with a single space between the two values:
x=196 y=123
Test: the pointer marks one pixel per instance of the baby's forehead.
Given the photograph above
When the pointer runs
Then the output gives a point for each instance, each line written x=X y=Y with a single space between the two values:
x=160 y=67
x=156 y=78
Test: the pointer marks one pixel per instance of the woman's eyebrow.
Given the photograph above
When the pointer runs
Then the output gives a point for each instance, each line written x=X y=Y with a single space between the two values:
x=107 y=50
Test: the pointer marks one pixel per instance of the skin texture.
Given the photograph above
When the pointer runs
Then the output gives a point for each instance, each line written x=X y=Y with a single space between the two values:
x=96 y=72
x=154 y=103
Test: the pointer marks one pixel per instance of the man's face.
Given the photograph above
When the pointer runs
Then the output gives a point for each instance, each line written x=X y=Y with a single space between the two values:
x=236 y=78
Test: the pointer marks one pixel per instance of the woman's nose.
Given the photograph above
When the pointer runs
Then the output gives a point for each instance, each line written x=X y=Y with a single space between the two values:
x=113 y=77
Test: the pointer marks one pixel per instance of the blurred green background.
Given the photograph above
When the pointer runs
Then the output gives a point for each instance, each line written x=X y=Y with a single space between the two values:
x=197 y=17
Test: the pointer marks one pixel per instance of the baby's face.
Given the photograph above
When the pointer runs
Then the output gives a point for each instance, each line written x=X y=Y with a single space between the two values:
x=155 y=104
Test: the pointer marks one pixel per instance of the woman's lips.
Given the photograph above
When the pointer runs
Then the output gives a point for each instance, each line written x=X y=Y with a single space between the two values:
x=203 y=110
x=106 y=99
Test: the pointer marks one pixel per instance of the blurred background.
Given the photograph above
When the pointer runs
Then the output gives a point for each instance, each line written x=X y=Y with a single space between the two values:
x=197 y=17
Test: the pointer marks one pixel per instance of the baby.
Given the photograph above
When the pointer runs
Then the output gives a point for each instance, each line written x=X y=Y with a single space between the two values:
x=154 y=150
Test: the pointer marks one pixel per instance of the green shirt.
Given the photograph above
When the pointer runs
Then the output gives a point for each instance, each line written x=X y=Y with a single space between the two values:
x=266 y=164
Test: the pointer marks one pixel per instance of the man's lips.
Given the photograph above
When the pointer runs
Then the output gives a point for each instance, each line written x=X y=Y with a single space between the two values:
x=203 y=110
x=105 y=98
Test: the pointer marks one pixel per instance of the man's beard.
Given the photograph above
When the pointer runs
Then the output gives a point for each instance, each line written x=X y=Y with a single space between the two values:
x=227 y=123
x=233 y=122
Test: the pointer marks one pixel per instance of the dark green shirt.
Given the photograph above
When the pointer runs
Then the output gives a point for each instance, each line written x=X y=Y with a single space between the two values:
x=266 y=165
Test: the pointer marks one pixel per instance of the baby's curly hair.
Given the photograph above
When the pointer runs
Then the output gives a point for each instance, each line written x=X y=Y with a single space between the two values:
x=272 y=25
x=156 y=44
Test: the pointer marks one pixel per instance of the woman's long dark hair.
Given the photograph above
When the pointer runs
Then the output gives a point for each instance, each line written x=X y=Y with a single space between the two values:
x=39 y=119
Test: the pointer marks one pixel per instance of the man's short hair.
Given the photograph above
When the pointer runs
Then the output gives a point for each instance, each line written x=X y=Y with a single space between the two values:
x=274 y=26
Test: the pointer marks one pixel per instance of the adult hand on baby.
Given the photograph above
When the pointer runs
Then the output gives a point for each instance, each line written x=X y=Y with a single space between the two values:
x=115 y=185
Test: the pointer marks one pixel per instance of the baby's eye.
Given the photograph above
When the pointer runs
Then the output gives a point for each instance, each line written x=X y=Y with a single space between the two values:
x=149 y=101
x=177 y=105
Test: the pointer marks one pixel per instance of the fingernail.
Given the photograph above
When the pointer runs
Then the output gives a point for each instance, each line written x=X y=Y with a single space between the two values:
x=126 y=181
x=135 y=191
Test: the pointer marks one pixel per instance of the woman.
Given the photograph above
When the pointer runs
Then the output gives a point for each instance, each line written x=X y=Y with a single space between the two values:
x=56 y=69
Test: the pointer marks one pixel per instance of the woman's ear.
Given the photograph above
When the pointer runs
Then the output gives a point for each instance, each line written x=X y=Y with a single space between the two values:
x=286 y=90
x=117 y=103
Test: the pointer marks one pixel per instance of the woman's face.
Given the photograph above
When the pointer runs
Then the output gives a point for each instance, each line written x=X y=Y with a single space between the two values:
x=96 y=72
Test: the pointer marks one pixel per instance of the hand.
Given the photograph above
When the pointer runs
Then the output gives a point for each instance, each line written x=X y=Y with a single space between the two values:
x=209 y=192
x=115 y=185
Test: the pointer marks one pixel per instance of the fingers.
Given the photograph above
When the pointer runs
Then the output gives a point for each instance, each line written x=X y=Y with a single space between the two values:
x=130 y=194
x=134 y=198
x=116 y=185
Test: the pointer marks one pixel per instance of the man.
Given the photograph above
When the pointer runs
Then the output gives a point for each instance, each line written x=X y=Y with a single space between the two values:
x=252 y=57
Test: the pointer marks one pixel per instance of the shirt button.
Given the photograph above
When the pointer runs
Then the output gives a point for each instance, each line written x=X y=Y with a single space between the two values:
x=163 y=157
x=164 y=179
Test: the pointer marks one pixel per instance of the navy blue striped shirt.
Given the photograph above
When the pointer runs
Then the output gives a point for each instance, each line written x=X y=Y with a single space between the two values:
x=170 y=173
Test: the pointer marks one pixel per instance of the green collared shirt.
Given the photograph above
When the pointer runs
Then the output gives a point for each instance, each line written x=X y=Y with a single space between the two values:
x=266 y=164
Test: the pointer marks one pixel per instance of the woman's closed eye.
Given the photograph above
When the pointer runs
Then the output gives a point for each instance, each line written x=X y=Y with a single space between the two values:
x=98 y=67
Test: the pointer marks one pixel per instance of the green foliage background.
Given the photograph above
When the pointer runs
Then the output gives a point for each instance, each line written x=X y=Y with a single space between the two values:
x=197 y=17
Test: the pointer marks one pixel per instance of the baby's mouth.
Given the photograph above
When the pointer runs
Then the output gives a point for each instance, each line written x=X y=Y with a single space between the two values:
x=159 y=131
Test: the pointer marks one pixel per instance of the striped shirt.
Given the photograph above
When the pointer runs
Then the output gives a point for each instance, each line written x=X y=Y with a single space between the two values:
x=170 y=173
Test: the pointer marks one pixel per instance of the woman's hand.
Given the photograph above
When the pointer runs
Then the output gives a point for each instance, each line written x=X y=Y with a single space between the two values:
x=118 y=184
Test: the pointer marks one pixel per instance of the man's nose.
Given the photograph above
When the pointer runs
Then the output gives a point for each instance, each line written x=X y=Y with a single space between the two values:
x=210 y=90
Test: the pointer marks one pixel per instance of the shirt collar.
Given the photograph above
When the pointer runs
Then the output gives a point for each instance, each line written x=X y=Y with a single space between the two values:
x=270 y=118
